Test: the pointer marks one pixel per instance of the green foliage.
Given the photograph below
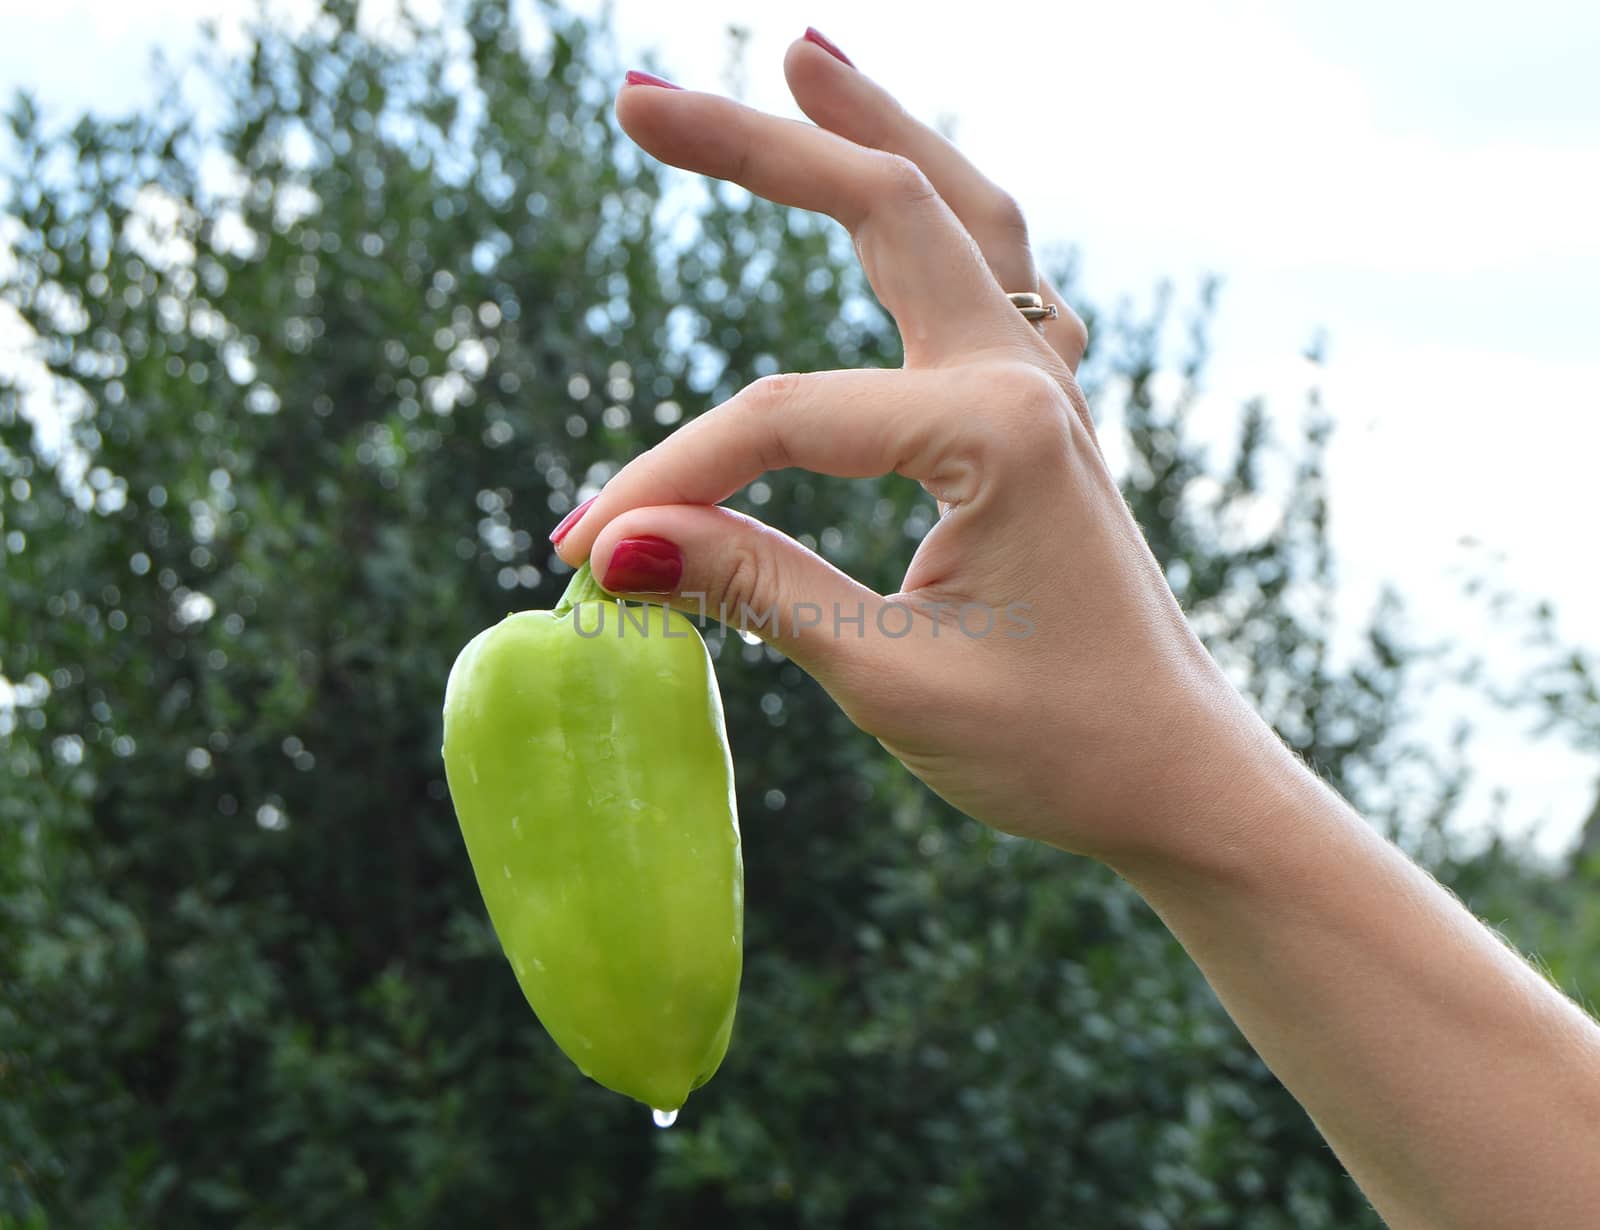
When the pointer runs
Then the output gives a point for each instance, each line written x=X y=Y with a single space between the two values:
x=321 y=377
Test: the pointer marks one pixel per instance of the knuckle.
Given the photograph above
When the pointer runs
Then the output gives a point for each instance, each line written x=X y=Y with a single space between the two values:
x=1028 y=390
x=1003 y=214
x=902 y=180
x=739 y=168
x=1035 y=413
x=748 y=586
x=769 y=399
x=771 y=393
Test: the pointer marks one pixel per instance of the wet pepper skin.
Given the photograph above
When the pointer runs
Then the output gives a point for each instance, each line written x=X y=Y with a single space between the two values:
x=592 y=781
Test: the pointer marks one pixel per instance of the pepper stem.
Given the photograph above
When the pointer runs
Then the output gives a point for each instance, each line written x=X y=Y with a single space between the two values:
x=582 y=588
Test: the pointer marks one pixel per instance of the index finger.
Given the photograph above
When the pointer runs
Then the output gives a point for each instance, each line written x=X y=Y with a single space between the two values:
x=930 y=426
x=923 y=266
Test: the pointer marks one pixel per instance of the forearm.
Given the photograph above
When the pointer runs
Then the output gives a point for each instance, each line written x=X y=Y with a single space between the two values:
x=1457 y=1085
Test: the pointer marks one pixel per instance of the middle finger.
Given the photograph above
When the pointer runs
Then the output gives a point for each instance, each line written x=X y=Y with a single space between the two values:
x=844 y=100
x=922 y=263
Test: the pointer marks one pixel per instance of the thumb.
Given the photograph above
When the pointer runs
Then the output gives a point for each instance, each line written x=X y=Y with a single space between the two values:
x=706 y=560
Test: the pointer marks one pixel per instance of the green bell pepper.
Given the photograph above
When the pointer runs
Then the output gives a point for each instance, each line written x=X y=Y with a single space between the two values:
x=588 y=762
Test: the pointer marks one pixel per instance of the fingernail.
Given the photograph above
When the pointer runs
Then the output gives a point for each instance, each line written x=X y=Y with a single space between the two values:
x=570 y=520
x=645 y=565
x=814 y=35
x=635 y=77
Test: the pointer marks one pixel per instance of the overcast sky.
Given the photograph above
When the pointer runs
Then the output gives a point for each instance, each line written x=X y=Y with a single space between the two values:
x=1418 y=182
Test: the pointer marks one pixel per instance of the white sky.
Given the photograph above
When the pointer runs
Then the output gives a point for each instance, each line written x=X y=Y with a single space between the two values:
x=1419 y=181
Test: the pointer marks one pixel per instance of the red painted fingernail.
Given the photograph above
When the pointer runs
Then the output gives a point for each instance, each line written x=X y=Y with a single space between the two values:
x=814 y=35
x=570 y=520
x=643 y=566
x=635 y=77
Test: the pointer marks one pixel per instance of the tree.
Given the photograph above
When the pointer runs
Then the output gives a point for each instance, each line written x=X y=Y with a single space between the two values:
x=319 y=380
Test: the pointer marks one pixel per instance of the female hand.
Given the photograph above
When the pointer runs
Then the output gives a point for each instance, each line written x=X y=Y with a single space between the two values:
x=1034 y=669
x=1456 y=1084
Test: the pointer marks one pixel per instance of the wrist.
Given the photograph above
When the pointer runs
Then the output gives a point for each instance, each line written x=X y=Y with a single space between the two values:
x=1241 y=813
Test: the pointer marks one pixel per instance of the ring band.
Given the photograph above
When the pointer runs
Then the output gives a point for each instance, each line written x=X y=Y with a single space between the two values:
x=1033 y=307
